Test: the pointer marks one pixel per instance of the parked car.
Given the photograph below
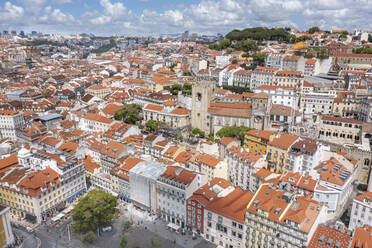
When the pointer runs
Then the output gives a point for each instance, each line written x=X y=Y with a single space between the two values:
x=107 y=229
x=29 y=229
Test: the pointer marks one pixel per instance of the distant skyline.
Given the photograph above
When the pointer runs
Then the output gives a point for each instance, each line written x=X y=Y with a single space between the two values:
x=149 y=17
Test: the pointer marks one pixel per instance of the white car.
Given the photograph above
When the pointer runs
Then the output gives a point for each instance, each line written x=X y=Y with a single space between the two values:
x=107 y=229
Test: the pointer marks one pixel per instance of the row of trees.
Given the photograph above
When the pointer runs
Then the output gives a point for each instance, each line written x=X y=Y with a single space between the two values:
x=237 y=132
x=236 y=89
x=186 y=89
x=241 y=45
x=363 y=50
x=39 y=42
x=258 y=34
x=293 y=39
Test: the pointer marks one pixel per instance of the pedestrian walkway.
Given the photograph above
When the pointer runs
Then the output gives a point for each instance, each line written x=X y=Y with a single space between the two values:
x=159 y=227
x=22 y=222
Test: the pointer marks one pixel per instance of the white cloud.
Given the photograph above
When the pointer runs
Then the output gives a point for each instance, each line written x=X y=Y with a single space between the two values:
x=62 y=1
x=33 y=7
x=101 y=20
x=206 y=16
x=10 y=12
x=114 y=10
x=56 y=16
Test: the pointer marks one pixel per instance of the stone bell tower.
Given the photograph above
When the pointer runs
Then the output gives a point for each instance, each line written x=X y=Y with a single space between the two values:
x=202 y=93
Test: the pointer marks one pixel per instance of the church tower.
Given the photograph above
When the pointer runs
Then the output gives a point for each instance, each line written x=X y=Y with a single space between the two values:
x=202 y=94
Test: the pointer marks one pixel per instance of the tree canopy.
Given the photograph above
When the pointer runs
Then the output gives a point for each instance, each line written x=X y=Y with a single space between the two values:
x=153 y=125
x=94 y=210
x=236 y=89
x=186 y=89
x=237 y=132
x=313 y=30
x=363 y=50
x=259 y=58
x=258 y=33
x=130 y=113
x=90 y=237
x=197 y=132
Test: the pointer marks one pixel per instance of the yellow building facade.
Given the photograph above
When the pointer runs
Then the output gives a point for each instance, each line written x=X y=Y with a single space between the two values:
x=257 y=140
x=6 y=233
x=277 y=151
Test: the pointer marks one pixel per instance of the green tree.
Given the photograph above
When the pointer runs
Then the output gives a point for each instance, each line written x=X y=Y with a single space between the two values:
x=313 y=30
x=123 y=242
x=225 y=43
x=130 y=113
x=214 y=46
x=187 y=89
x=292 y=38
x=174 y=89
x=342 y=36
x=259 y=58
x=153 y=125
x=237 y=132
x=363 y=50
x=94 y=210
x=197 y=132
x=322 y=55
x=90 y=237
x=258 y=34
x=236 y=89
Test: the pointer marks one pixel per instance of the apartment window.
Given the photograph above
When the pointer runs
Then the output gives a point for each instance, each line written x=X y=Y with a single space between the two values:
x=220 y=219
x=209 y=215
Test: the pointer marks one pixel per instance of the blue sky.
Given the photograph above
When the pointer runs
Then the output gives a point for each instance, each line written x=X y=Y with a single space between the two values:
x=142 y=17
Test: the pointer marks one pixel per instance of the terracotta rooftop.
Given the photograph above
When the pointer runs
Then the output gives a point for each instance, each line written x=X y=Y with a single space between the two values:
x=325 y=237
x=333 y=171
x=362 y=237
x=178 y=174
x=232 y=206
x=263 y=134
x=283 y=141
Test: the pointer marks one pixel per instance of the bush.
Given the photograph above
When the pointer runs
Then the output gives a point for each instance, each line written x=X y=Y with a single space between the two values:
x=90 y=237
x=123 y=242
x=154 y=242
